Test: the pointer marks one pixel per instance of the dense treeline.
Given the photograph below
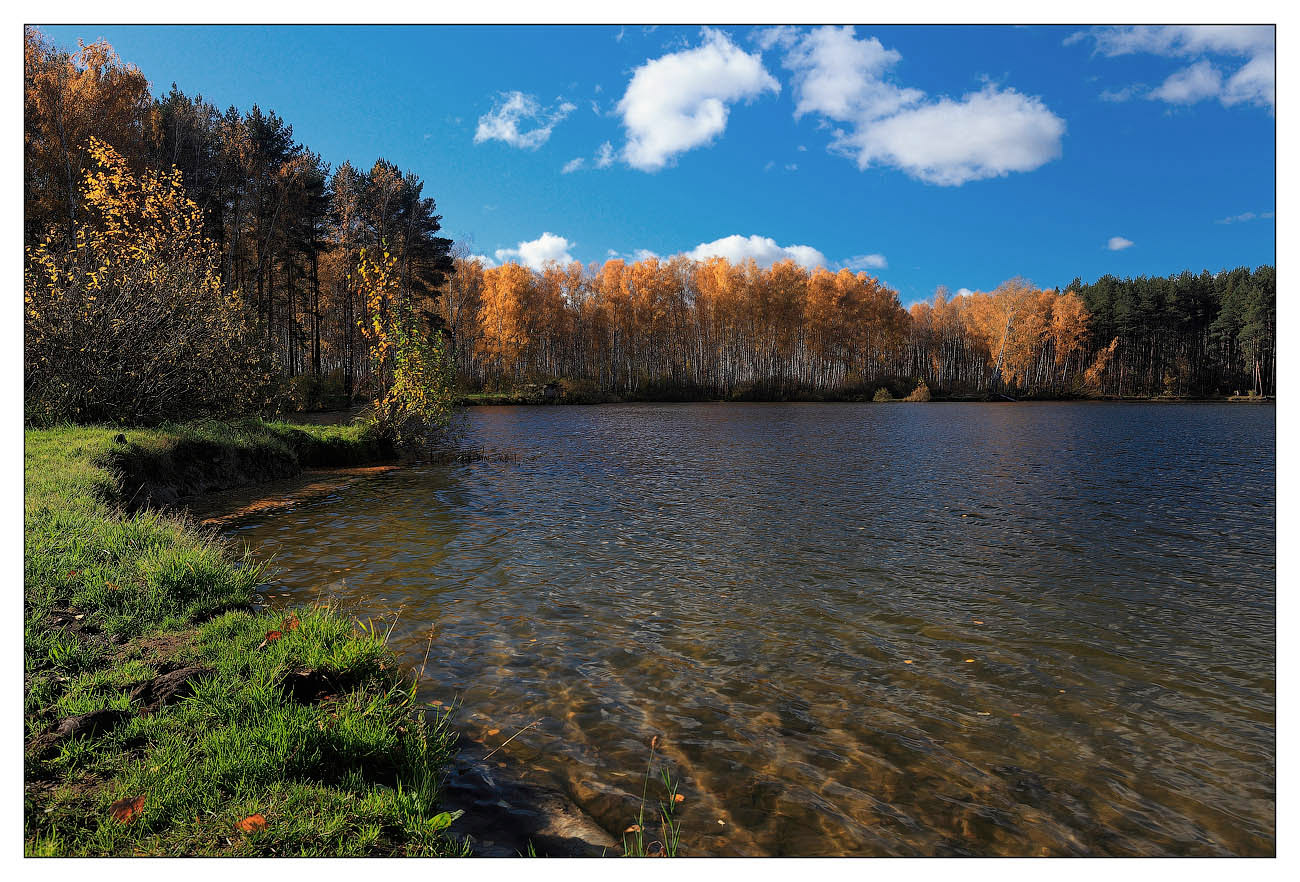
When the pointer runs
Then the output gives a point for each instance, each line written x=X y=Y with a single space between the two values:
x=657 y=327
x=289 y=231
x=1192 y=335
x=681 y=327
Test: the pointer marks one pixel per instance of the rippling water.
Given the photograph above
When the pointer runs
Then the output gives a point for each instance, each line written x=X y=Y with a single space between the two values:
x=1085 y=593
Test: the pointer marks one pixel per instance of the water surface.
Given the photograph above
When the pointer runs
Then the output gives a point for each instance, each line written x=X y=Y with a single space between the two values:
x=1085 y=594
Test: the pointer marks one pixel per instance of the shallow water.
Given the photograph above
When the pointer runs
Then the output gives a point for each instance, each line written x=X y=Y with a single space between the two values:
x=1085 y=593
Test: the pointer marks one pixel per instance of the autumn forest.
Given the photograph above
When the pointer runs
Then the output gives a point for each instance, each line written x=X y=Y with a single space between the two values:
x=283 y=237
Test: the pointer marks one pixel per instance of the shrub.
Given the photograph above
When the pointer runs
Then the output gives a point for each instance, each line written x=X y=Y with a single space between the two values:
x=413 y=367
x=128 y=322
x=882 y=394
x=920 y=393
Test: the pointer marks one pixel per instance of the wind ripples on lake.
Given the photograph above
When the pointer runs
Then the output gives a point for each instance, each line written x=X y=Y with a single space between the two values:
x=748 y=581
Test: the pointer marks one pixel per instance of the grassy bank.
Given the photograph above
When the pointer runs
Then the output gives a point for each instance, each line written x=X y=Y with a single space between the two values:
x=162 y=714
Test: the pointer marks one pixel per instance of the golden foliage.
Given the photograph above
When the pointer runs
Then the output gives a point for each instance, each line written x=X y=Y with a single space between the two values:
x=414 y=372
x=129 y=321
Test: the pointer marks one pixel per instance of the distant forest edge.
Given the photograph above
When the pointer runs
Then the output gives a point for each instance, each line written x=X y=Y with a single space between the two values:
x=162 y=229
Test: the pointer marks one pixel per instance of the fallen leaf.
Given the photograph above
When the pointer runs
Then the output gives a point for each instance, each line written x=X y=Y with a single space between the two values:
x=970 y=661
x=677 y=797
x=291 y=623
x=112 y=586
x=437 y=704
x=272 y=636
x=907 y=661
x=722 y=822
x=977 y=621
x=72 y=574
x=635 y=828
x=252 y=823
x=126 y=809
x=983 y=714
x=501 y=765
x=494 y=731
x=655 y=849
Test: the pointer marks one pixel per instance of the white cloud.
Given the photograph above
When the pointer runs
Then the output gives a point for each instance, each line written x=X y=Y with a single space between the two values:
x=964 y=292
x=1116 y=243
x=513 y=109
x=986 y=134
x=486 y=261
x=1252 y=83
x=1246 y=216
x=604 y=155
x=1124 y=94
x=781 y=35
x=539 y=252
x=680 y=101
x=762 y=249
x=1192 y=84
x=572 y=165
x=792 y=166
x=1180 y=40
x=867 y=261
x=942 y=141
x=841 y=77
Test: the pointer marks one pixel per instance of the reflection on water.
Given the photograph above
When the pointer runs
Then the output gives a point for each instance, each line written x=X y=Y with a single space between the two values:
x=1085 y=594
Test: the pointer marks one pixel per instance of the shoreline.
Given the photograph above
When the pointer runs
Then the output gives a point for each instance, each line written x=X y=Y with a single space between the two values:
x=163 y=712
x=182 y=481
x=529 y=399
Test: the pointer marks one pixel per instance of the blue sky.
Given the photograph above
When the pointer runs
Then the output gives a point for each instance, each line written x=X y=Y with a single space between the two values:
x=928 y=155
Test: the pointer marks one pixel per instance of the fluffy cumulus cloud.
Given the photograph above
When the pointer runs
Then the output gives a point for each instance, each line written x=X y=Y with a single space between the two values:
x=1115 y=243
x=986 y=134
x=680 y=101
x=944 y=141
x=539 y=252
x=842 y=77
x=762 y=249
x=1252 y=82
x=520 y=121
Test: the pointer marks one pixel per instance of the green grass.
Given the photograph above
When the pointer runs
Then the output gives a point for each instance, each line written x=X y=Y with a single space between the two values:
x=111 y=598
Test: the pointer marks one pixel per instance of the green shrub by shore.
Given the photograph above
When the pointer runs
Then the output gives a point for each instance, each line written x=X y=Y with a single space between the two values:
x=148 y=674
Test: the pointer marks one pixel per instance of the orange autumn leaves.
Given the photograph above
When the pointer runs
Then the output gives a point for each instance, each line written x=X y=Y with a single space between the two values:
x=715 y=325
x=125 y=810
x=252 y=824
x=291 y=623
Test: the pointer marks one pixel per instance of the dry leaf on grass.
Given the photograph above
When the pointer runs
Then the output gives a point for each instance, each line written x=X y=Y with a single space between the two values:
x=252 y=823
x=126 y=809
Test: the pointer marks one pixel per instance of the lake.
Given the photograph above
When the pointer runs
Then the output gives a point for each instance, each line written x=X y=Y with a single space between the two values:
x=939 y=629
